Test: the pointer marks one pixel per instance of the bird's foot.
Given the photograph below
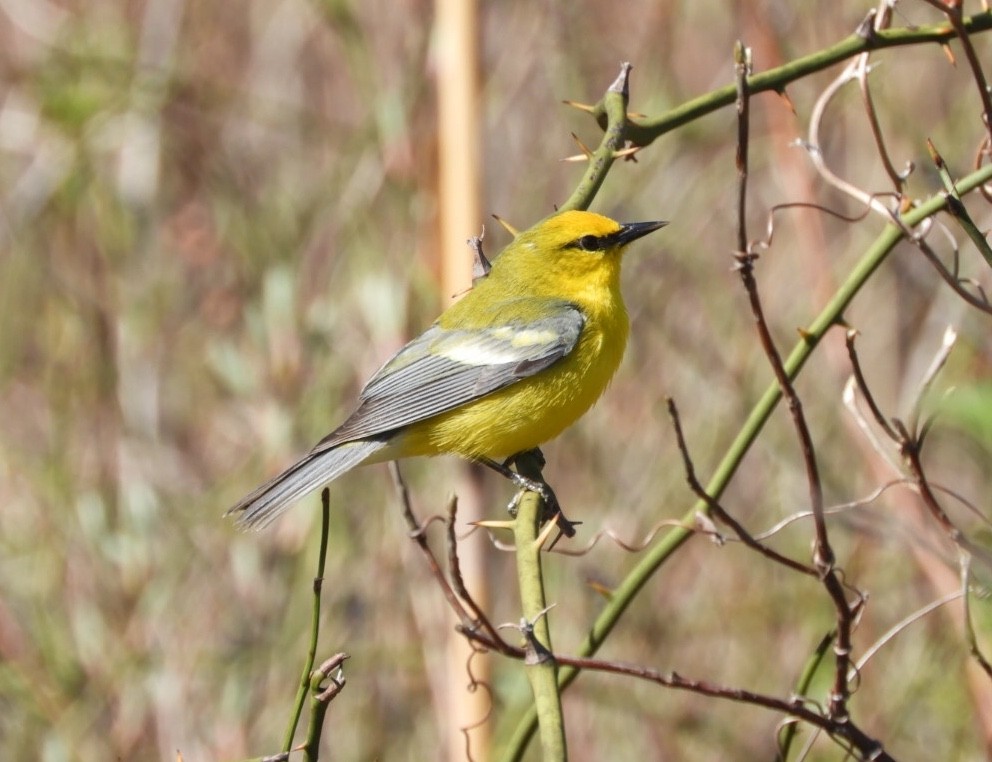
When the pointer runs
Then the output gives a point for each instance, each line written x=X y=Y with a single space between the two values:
x=552 y=508
x=533 y=462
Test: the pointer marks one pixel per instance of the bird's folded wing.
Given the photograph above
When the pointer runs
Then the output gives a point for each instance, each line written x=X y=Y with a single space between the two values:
x=446 y=368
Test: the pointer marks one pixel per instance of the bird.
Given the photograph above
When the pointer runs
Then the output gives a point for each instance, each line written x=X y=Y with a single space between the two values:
x=519 y=358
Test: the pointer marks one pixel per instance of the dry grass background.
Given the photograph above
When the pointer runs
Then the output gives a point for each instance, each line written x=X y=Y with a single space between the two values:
x=218 y=219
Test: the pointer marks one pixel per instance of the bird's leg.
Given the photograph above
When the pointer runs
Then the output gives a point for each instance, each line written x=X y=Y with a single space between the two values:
x=532 y=461
x=524 y=484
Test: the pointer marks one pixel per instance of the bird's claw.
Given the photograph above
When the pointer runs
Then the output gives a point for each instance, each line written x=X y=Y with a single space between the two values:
x=552 y=508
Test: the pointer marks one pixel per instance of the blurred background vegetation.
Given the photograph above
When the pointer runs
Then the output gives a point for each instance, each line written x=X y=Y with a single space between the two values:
x=217 y=220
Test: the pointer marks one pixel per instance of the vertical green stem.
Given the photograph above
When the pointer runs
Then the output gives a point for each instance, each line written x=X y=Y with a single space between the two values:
x=541 y=667
x=301 y=694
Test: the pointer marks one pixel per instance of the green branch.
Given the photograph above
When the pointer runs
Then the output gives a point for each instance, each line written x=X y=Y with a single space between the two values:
x=644 y=132
x=318 y=581
x=541 y=668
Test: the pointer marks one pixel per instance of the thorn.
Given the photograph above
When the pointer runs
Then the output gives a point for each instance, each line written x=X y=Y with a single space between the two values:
x=575 y=159
x=784 y=95
x=582 y=146
x=938 y=160
x=581 y=106
x=627 y=153
x=866 y=29
x=707 y=526
x=525 y=625
x=486 y=524
x=536 y=653
x=636 y=115
x=506 y=226
x=545 y=533
x=949 y=53
x=599 y=587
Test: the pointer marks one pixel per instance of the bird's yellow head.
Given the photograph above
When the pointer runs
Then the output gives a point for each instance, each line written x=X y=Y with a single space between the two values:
x=569 y=252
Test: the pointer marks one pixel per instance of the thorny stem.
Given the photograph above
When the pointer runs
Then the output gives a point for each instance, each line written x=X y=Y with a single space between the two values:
x=823 y=555
x=541 y=665
x=644 y=132
x=614 y=105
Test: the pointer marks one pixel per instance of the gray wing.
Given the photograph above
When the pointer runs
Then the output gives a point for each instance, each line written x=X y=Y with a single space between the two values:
x=445 y=368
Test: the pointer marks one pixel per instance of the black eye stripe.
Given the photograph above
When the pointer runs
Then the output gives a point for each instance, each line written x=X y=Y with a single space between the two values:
x=589 y=243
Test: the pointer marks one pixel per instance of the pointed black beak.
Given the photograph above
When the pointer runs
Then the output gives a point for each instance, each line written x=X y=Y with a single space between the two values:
x=631 y=231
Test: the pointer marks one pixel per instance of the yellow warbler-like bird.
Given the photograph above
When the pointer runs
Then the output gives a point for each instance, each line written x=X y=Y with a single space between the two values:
x=522 y=356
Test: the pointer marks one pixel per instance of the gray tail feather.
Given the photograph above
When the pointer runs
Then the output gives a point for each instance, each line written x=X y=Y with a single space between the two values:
x=317 y=469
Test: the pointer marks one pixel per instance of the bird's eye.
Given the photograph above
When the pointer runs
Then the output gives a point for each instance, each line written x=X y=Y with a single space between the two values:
x=589 y=243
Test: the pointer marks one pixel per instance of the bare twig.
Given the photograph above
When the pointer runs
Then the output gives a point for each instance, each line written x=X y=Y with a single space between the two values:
x=881 y=20
x=951 y=279
x=717 y=510
x=823 y=555
x=742 y=67
x=897 y=628
x=478 y=617
x=841 y=729
x=833 y=510
x=909 y=441
x=418 y=535
x=812 y=146
x=859 y=379
x=955 y=14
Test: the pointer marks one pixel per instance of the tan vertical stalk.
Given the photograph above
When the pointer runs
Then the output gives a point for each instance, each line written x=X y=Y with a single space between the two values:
x=459 y=215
